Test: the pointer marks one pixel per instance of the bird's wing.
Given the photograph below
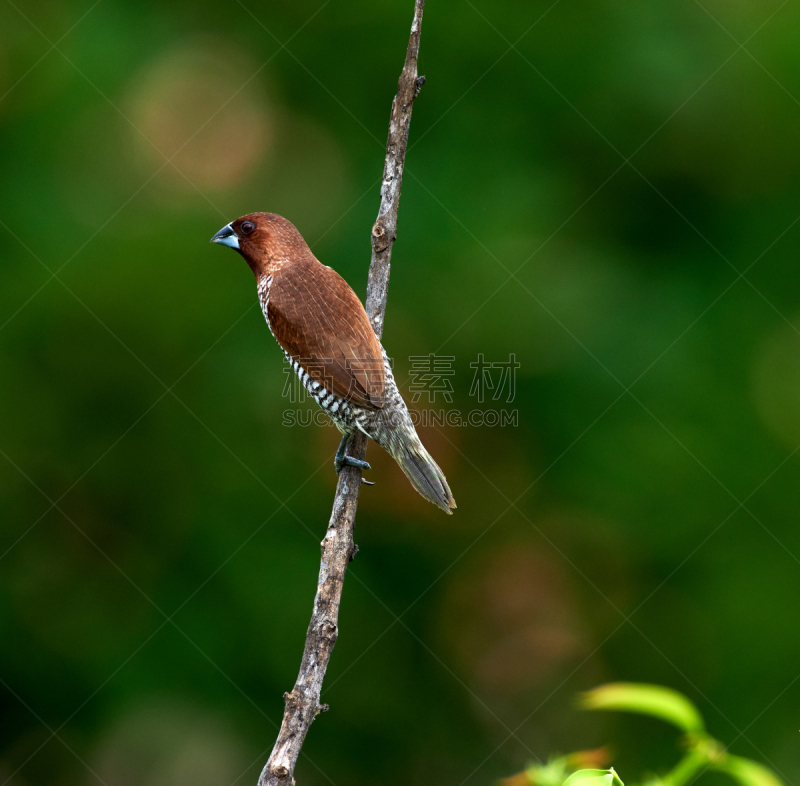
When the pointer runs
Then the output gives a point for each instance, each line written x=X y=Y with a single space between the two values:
x=320 y=322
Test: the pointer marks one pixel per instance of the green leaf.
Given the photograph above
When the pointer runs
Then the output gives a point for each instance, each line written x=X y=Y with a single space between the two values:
x=593 y=778
x=550 y=774
x=654 y=700
x=747 y=772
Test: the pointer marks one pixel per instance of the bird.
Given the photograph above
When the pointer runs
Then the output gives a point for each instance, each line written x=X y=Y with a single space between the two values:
x=322 y=327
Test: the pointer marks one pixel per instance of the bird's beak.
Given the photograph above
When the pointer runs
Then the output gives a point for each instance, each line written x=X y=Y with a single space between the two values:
x=226 y=237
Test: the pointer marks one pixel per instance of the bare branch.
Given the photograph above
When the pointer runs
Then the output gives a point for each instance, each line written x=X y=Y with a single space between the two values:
x=338 y=548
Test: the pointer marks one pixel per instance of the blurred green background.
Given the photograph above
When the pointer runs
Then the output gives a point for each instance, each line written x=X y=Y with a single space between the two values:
x=606 y=190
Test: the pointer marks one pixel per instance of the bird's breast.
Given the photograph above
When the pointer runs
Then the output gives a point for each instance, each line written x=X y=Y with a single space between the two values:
x=264 y=286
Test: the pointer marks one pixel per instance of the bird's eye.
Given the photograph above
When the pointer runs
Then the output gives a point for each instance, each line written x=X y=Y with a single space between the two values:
x=247 y=227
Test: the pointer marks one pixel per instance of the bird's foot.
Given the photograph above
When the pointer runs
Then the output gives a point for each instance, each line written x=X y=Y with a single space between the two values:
x=343 y=460
x=349 y=461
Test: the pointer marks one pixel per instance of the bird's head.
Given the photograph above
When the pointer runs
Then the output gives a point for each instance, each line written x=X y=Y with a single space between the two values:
x=263 y=239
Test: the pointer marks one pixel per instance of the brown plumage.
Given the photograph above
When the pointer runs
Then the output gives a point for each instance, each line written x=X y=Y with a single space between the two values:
x=314 y=314
x=323 y=329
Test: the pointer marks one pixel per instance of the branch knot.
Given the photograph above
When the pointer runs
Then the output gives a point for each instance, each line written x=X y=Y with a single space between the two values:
x=290 y=700
x=329 y=630
x=380 y=237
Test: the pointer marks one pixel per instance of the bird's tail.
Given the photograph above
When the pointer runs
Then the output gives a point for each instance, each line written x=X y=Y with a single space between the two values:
x=423 y=472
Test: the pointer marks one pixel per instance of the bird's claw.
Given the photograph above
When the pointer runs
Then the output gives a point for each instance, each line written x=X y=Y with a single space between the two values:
x=343 y=460
x=349 y=461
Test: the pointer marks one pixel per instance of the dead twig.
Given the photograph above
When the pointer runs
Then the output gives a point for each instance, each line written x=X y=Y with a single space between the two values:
x=338 y=548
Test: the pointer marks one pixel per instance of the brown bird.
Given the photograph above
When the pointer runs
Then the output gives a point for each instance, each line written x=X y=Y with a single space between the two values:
x=325 y=333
